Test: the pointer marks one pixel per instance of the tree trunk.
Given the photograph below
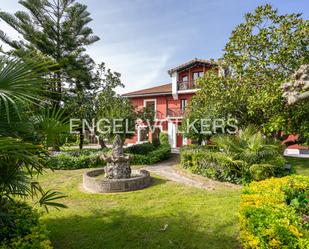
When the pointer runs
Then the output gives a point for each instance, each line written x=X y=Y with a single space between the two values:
x=81 y=139
x=200 y=140
x=102 y=143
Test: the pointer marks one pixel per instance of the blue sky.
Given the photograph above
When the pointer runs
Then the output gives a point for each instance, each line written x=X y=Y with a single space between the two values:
x=142 y=39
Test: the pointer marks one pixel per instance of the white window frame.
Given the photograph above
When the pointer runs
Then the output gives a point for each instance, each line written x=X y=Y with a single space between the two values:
x=139 y=135
x=152 y=100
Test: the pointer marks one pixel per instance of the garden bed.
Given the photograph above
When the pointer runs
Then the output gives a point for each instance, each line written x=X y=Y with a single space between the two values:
x=274 y=213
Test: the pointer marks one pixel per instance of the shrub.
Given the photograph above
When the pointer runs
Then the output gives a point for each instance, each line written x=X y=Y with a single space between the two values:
x=22 y=229
x=238 y=159
x=207 y=162
x=142 y=154
x=141 y=149
x=274 y=213
x=159 y=154
x=163 y=138
x=77 y=159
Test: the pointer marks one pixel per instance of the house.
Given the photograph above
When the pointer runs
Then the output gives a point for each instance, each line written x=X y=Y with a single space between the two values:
x=169 y=102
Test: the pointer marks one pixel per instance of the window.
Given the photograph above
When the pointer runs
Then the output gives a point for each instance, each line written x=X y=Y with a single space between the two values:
x=183 y=104
x=197 y=75
x=150 y=106
x=142 y=135
x=185 y=78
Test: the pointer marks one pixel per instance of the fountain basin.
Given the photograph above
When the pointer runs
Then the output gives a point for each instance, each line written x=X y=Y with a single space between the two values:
x=91 y=182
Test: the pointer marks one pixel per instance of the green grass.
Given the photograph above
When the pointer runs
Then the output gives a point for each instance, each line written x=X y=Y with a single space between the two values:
x=300 y=165
x=165 y=215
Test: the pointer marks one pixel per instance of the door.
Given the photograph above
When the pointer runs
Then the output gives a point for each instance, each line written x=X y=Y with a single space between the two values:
x=179 y=140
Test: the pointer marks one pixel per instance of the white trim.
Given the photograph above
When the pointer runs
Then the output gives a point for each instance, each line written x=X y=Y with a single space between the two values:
x=151 y=100
x=169 y=118
x=147 y=95
x=174 y=85
x=188 y=91
x=171 y=131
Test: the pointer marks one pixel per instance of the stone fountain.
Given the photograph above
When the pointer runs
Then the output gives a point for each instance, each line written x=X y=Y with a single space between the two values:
x=118 y=164
x=117 y=176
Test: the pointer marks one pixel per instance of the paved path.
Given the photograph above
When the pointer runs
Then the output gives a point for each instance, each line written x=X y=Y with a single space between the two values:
x=169 y=170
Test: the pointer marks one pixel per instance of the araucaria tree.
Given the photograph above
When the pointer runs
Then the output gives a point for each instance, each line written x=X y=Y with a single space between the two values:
x=57 y=30
x=261 y=54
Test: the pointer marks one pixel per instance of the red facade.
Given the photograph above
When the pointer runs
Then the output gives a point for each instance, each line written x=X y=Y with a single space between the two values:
x=169 y=102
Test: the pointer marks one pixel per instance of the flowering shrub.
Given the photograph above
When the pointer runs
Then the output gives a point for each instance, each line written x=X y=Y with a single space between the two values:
x=22 y=229
x=274 y=213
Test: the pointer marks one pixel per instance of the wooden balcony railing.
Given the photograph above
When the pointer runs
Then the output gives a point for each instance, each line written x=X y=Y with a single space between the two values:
x=175 y=112
x=185 y=85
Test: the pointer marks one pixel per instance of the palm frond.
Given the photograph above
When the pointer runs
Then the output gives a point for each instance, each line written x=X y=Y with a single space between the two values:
x=49 y=199
x=20 y=82
x=51 y=125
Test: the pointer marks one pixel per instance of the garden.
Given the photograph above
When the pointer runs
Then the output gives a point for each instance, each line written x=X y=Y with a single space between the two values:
x=258 y=199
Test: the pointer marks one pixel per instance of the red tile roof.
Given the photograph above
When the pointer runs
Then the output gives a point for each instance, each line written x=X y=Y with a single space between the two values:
x=192 y=63
x=157 y=90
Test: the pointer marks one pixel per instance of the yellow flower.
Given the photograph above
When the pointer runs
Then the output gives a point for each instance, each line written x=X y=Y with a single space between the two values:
x=274 y=244
x=295 y=231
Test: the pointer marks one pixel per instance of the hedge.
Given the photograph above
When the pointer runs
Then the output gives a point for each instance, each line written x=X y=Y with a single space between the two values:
x=274 y=213
x=141 y=149
x=21 y=227
x=142 y=154
x=76 y=160
x=159 y=154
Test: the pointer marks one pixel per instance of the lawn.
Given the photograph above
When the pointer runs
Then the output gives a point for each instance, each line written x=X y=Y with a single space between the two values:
x=300 y=165
x=165 y=215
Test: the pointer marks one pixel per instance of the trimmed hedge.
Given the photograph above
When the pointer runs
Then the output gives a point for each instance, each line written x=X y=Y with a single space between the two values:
x=274 y=213
x=76 y=159
x=140 y=149
x=142 y=154
x=22 y=228
x=159 y=154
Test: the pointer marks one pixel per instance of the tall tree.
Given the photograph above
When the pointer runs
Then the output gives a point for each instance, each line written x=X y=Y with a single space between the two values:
x=261 y=54
x=87 y=104
x=57 y=29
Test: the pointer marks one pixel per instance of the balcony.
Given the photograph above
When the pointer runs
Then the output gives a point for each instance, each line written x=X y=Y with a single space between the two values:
x=175 y=112
x=185 y=85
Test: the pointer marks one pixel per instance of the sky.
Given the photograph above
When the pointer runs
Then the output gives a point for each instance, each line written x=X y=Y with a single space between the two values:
x=142 y=39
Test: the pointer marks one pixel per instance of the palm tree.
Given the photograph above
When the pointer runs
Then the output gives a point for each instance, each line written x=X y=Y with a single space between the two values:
x=21 y=89
x=250 y=154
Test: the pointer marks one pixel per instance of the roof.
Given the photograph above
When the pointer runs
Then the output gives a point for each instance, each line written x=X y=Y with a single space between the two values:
x=157 y=90
x=192 y=63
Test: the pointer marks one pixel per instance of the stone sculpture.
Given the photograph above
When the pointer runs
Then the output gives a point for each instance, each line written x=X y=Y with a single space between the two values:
x=118 y=164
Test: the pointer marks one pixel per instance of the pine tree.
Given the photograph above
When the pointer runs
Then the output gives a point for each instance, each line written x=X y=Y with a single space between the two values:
x=57 y=30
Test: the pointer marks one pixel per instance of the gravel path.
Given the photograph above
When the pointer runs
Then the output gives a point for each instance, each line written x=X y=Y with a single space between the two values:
x=169 y=169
